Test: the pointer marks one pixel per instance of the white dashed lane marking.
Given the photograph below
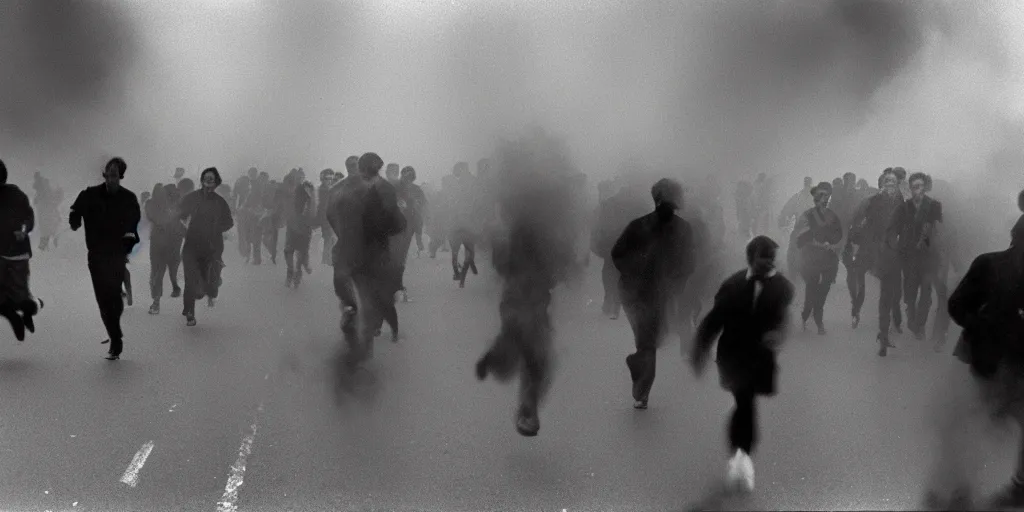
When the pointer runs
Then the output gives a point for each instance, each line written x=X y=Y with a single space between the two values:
x=131 y=475
x=229 y=501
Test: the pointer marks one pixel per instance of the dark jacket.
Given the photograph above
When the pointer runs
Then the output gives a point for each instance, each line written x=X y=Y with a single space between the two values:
x=989 y=304
x=323 y=195
x=746 y=362
x=612 y=217
x=363 y=213
x=209 y=217
x=869 y=225
x=821 y=228
x=15 y=212
x=653 y=255
x=912 y=229
x=107 y=216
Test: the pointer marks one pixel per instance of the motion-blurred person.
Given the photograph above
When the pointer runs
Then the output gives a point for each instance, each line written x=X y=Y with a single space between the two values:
x=412 y=203
x=392 y=173
x=364 y=214
x=240 y=193
x=299 y=233
x=17 y=219
x=164 y=230
x=252 y=212
x=654 y=257
x=789 y=218
x=179 y=174
x=859 y=254
x=913 y=228
x=327 y=178
x=948 y=250
x=533 y=254
x=47 y=201
x=988 y=304
x=744 y=197
x=612 y=217
x=111 y=216
x=209 y=217
x=440 y=217
x=750 y=314
x=465 y=225
x=819 y=262
x=872 y=220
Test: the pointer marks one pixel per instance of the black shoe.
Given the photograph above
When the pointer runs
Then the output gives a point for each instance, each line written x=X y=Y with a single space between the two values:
x=640 y=404
x=527 y=422
x=17 y=323
x=112 y=357
x=176 y=293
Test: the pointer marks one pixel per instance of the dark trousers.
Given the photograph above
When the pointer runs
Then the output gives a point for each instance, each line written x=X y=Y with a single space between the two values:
x=889 y=302
x=462 y=238
x=610 y=279
x=244 y=245
x=523 y=342
x=328 y=237
x=818 y=279
x=297 y=242
x=362 y=304
x=107 y=278
x=918 y=279
x=162 y=260
x=647 y=319
x=743 y=424
x=202 y=277
x=254 y=239
x=855 y=281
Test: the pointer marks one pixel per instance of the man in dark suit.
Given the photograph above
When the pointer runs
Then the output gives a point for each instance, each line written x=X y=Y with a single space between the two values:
x=989 y=305
x=654 y=257
x=750 y=314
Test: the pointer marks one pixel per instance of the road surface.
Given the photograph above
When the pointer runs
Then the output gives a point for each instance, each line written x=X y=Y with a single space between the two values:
x=244 y=411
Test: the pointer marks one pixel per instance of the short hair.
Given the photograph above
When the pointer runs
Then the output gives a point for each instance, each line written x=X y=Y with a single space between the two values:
x=216 y=175
x=851 y=176
x=3 y=172
x=1020 y=197
x=824 y=186
x=409 y=171
x=119 y=164
x=352 y=163
x=923 y=177
x=668 y=190
x=760 y=244
x=326 y=172
x=901 y=173
x=370 y=164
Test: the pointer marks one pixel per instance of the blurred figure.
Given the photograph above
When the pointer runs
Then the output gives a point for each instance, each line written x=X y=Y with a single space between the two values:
x=750 y=314
x=859 y=253
x=611 y=219
x=818 y=243
x=327 y=179
x=440 y=217
x=299 y=233
x=252 y=213
x=47 y=201
x=744 y=209
x=873 y=219
x=762 y=200
x=948 y=249
x=363 y=213
x=654 y=257
x=111 y=216
x=209 y=217
x=165 y=244
x=911 y=231
x=533 y=254
x=465 y=226
x=17 y=219
x=240 y=194
x=392 y=173
x=988 y=304
x=412 y=203
x=789 y=218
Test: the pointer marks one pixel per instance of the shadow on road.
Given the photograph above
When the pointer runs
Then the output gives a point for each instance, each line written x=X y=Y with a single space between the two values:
x=15 y=370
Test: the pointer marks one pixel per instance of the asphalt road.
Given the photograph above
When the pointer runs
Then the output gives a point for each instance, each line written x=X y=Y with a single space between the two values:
x=245 y=409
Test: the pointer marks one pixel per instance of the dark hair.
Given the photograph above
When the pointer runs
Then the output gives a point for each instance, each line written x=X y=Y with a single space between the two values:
x=923 y=177
x=326 y=172
x=370 y=164
x=3 y=172
x=216 y=175
x=668 y=190
x=1020 y=197
x=760 y=245
x=352 y=162
x=901 y=173
x=120 y=165
x=851 y=176
x=409 y=171
x=822 y=186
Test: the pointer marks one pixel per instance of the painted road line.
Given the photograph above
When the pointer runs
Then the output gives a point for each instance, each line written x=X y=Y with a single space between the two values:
x=131 y=475
x=229 y=501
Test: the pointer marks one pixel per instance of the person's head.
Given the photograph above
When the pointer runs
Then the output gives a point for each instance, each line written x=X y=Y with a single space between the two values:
x=808 y=182
x=850 y=179
x=920 y=183
x=210 y=179
x=370 y=165
x=113 y=173
x=889 y=182
x=821 y=192
x=667 y=194
x=253 y=173
x=837 y=184
x=159 y=193
x=264 y=176
x=761 y=255
x=186 y=186
x=392 y=172
x=3 y=173
x=862 y=184
x=327 y=176
x=352 y=165
x=901 y=173
x=179 y=173
x=408 y=174
x=1020 y=197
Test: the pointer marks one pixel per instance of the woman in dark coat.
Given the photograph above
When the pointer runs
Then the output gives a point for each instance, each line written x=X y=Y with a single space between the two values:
x=750 y=314
x=209 y=218
x=819 y=242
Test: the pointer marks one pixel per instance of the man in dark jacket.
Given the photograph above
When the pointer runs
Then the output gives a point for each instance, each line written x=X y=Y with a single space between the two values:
x=750 y=314
x=111 y=216
x=165 y=244
x=989 y=305
x=914 y=228
x=654 y=257
x=364 y=214
x=299 y=233
x=611 y=218
x=17 y=219
x=327 y=178
x=209 y=217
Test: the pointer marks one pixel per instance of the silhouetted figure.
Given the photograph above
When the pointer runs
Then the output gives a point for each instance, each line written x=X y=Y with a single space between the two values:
x=873 y=219
x=17 y=219
x=299 y=233
x=209 y=217
x=363 y=213
x=612 y=217
x=327 y=178
x=111 y=216
x=912 y=228
x=654 y=257
x=412 y=203
x=748 y=320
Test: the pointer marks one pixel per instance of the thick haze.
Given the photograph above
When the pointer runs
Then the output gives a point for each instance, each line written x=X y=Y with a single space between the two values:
x=801 y=87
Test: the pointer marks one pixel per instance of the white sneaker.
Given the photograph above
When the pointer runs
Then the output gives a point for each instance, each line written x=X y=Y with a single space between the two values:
x=740 y=472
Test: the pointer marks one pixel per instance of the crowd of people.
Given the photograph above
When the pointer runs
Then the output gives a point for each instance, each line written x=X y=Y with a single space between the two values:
x=662 y=248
